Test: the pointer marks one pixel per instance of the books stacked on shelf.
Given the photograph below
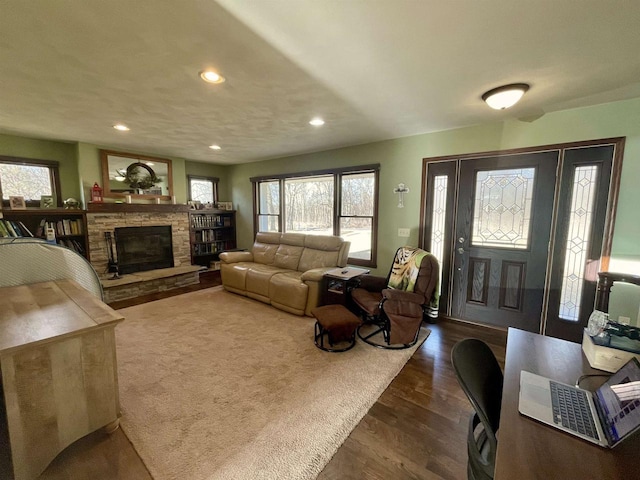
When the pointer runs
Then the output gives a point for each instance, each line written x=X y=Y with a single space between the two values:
x=63 y=228
x=209 y=248
x=206 y=221
x=13 y=229
x=204 y=248
x=67 y=226
x=208 y=235
x=72 y=245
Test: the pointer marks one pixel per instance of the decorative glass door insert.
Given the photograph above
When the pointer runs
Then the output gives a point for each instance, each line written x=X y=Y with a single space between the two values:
x=502 y=208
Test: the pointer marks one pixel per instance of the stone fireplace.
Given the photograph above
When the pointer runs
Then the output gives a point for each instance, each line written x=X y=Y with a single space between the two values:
x=143 y=248
x=117 y=219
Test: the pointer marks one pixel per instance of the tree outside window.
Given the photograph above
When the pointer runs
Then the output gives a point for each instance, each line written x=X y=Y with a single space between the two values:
x=203 y=189
x=342 y=203
x=28 y=178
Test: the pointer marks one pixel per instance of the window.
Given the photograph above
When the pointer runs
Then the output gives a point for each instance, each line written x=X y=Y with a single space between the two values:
x=581 y=213
x=357 y=213
x=342 y=202
x=309 y=205
x=30 y=179
x=268 y=206
x=203 y=189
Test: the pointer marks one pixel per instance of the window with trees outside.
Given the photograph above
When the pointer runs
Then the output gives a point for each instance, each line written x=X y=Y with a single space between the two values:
x=339 y=202
x=30 y=179
x=203 y=189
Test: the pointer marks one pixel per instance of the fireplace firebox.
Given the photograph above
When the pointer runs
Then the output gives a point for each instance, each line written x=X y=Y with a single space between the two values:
x=144 y=248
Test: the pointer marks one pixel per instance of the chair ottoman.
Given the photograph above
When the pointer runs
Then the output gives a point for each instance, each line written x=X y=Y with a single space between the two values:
x=338 y=324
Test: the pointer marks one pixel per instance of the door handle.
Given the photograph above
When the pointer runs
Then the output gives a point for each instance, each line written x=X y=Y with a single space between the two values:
x=460 y=250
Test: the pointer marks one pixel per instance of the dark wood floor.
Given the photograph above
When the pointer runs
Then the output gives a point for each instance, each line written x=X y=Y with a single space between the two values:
x=416 y=429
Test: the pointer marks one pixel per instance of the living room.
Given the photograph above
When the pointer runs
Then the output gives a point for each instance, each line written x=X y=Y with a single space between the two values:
x=100 y=60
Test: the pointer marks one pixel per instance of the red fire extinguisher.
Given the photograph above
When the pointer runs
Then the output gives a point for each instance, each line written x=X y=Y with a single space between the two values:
x=96 y=193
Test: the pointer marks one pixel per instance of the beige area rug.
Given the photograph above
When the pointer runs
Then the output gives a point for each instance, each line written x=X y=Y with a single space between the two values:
x=214 y=385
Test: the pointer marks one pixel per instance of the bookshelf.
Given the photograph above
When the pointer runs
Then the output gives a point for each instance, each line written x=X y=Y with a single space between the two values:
x=211 y=232
x=69 y=225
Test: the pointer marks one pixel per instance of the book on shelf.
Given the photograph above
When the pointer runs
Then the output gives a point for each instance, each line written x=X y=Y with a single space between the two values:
x=4 y=232
x=72 y=245
x=26 y=231
x=13 y=229
x=41 y=228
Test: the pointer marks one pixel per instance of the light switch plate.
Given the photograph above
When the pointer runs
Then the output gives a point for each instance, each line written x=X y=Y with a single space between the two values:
x=404 y=232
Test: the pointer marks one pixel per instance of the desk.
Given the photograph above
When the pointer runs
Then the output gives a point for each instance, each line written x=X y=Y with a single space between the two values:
x=530 y=450
x=59 y=372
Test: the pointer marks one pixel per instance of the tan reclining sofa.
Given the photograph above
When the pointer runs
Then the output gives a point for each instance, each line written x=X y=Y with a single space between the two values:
x=284 y=269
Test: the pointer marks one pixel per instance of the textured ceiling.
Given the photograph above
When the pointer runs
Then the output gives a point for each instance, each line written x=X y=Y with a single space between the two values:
x=372 y=69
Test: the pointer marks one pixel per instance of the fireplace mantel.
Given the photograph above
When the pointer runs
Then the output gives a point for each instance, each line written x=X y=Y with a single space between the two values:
x=136 y=208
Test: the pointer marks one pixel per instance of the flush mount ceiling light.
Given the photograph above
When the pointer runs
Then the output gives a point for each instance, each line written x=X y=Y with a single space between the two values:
x=505 y=96
x=215 y=147
x=211 y=77
x=316 y=122
x=121 y=127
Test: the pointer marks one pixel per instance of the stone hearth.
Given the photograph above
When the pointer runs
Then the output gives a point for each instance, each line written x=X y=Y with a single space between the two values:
x=152 y=281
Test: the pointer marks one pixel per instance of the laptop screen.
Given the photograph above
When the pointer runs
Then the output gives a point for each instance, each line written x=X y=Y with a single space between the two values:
x=621 y=417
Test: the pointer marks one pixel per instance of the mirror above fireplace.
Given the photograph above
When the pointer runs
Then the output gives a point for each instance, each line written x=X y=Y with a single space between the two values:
x=136 y=175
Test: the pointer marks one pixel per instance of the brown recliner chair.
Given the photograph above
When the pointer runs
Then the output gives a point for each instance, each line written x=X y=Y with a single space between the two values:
x=394 y=307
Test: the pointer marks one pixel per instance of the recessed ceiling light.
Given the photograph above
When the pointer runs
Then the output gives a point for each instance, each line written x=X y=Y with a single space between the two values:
x=121 y=127
x=215 y=147
x=211 y=77
x=316 y=122
x=505 y=96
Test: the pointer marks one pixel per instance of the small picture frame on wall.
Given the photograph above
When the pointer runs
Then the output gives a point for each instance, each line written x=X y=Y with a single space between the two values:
x=17 y=203
x=46 y=201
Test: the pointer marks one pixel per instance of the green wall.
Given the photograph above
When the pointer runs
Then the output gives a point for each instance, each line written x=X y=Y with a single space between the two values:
x=401 y=161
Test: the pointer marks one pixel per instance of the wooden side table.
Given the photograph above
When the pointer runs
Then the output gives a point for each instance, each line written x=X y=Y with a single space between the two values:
x=337 y=284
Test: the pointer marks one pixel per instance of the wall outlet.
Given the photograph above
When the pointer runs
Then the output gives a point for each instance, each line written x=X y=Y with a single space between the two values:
x=404 y=232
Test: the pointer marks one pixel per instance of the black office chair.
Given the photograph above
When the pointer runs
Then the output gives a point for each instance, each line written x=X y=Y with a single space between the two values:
x=481 y=380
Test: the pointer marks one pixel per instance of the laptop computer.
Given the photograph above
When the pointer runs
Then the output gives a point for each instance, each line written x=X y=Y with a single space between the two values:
x=603 y=417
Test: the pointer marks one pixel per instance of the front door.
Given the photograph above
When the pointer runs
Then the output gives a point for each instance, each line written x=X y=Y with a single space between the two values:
x=519 y=245
x=502 y=231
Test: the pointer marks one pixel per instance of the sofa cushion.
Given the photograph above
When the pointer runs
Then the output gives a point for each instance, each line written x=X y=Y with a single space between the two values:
x=258 y=278
x=288 y=290
x=327 y=243
x=265 y=247
x=234 y=275
x=312 y=258
x=297 y=239
x=288 y=256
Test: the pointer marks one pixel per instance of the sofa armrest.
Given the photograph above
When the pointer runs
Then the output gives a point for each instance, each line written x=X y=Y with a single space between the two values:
x=372 y=283
x=402 y=296
x=234 y=257
x=315 y=274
